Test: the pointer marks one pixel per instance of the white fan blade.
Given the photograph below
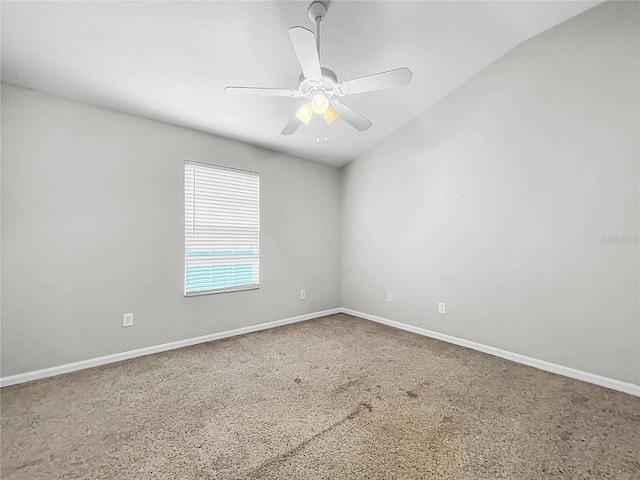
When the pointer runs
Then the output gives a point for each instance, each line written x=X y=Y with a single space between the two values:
x=291 y=126
x=268 y=92
x=377 y=81
x=350 y=116
x=304 y=43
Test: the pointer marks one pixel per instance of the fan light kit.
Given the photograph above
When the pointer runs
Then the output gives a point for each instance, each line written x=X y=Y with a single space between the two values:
x=319 y=86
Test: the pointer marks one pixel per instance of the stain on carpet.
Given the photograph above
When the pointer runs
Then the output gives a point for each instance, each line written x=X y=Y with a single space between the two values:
x=343 y=387
x=285 y=456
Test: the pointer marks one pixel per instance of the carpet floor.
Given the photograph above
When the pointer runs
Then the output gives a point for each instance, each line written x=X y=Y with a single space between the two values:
x=331 y=398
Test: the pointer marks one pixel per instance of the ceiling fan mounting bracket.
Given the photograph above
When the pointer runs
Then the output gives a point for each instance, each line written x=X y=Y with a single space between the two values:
x=317 y=10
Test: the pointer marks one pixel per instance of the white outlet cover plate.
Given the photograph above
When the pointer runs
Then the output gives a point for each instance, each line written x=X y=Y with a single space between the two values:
x=127 y=319
x=442 y=308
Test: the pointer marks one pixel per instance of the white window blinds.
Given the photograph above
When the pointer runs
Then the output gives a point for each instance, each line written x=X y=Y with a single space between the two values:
x=221 y=229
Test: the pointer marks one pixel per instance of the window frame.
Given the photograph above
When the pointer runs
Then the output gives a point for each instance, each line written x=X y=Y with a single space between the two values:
x=228 y=289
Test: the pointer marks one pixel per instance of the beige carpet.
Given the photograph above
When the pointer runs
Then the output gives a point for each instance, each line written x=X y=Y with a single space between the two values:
x=331 y=398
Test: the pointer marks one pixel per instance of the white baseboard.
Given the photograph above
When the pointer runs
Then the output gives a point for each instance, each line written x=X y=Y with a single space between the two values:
x=515 y=357
x=117 y=357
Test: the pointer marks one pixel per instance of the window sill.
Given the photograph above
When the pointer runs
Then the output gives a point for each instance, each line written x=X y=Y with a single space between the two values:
x=222 y=290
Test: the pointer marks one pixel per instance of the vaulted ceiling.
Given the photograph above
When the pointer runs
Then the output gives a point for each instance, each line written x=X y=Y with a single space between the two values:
x=170 y=61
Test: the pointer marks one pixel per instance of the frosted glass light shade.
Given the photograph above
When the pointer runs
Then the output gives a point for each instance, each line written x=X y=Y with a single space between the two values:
x=330 y=114
x=319 y=103
x=304 y=113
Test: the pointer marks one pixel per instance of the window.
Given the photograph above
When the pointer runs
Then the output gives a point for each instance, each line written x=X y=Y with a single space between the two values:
x=221 y=229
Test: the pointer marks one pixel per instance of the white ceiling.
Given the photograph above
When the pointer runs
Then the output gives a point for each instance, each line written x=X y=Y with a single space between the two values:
x=170 y=61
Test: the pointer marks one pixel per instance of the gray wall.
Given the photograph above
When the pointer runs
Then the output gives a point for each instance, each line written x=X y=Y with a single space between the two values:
x=93 y=226
x=496 y=201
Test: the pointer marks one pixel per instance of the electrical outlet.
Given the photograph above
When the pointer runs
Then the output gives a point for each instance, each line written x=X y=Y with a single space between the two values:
x=303 y=294
x=442 y=308
x=389 y=296
x=127 y=319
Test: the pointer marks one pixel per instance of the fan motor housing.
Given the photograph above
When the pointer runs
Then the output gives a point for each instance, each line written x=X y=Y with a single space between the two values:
x=326 y=85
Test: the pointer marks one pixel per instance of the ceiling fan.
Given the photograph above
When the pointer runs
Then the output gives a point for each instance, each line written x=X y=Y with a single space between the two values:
x=319 y=86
